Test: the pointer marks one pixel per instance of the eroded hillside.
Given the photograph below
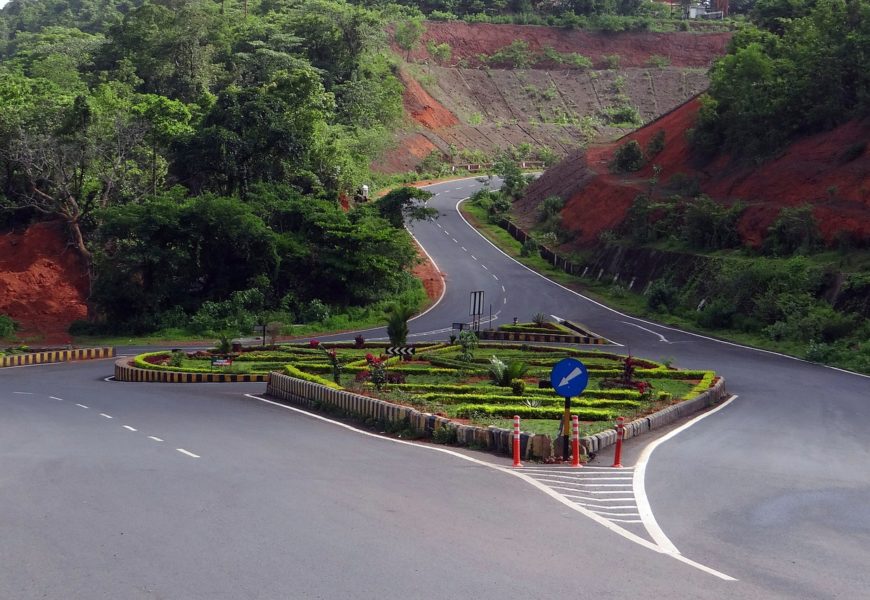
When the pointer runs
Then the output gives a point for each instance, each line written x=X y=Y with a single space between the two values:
x=468 y=107
x=830 y=171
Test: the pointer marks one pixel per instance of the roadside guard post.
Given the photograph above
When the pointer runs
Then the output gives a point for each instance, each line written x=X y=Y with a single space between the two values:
x=569 y=377
x=575 y=441
x=620 y=433
x=517 y=462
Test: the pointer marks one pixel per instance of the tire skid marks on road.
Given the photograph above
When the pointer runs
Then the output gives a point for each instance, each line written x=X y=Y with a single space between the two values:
x=605 y=491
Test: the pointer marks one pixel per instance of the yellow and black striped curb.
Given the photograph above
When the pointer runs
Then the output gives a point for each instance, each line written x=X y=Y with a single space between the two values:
x=511 y=336
x=55 y=356
x=124 y=371
x=308 y=394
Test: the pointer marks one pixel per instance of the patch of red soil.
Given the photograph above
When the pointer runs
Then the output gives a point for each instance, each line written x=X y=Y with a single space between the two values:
x=409 y=152
x=422 y=107
x=43 y=282
x=815 y=169
x=468 y=41
x=428 y=273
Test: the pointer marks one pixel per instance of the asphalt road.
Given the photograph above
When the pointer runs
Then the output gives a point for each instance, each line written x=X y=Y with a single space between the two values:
x=114 y=490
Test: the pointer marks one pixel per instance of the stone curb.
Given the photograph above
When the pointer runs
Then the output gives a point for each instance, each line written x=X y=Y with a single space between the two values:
x=495 y=439
x=124 y=371
x=55 y=356
x=666 y=416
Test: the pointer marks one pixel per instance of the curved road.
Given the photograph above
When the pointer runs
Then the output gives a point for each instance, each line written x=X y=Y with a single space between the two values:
x=198 y=491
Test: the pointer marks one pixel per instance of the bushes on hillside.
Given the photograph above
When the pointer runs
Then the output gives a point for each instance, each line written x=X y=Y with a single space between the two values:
x=628 y=157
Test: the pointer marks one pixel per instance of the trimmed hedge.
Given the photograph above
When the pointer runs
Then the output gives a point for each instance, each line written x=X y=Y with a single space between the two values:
x=502 y=400
x=465 y=411
x=294 y=372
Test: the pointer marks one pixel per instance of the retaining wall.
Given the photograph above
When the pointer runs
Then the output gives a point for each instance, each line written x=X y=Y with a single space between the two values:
x=126 y=372
x=55 y=356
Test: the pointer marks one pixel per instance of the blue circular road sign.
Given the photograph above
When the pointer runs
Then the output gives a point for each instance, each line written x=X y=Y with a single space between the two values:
x=569 y=377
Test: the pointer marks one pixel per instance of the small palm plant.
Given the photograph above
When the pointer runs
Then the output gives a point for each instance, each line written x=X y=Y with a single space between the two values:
x=397 y=323
x=539 y=319
x=503 y=374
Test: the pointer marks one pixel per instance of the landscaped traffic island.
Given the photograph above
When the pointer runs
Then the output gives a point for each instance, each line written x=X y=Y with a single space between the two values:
x=470 y=384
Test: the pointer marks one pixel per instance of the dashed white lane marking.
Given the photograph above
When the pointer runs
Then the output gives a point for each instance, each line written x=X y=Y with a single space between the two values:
x=660 y=336
x=494 y=276
x=502 y=289
x=484 y=266
x=520 y=474
x=438 y=224
x=130 y=428
x=156 y=439
x=56 y=398
x=454 y=239
x=504 y=301
x=190 y=454
x=474 y=257
x=24 y=393
x=464 y=249
x=81 y=405
x=105 y=415
x=446 y=232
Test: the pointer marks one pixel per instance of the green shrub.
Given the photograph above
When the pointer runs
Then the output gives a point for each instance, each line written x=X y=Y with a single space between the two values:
x=628 y=157
x=656 y=144
x=657 y=60
x=529 y=248
x=503 y=374
x=794 y=231
x=7 y=326
x=611 y=60
x=662 y=296
x=518 y=387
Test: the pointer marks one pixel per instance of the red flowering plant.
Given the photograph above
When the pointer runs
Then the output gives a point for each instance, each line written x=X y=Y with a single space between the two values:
x=332 y=357
x=645 y=389
x=377 y=374
x=313 y=343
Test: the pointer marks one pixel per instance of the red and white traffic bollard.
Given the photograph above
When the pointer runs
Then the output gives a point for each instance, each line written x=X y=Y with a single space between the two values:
x=517 y=462
x=575 y=441
x=620 y=433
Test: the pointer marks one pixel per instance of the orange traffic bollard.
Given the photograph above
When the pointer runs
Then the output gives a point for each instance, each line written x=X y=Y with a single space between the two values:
x=620 y=433
x=575 y=441
x=517 y=462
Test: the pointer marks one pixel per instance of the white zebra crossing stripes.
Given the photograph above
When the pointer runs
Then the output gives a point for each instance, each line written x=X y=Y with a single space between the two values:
x=606 y=491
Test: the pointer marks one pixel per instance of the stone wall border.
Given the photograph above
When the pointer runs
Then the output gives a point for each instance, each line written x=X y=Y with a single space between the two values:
x=312 y=395
x=56 y=356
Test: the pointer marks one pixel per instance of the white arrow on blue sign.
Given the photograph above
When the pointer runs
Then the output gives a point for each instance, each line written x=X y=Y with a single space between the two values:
x=569 y=377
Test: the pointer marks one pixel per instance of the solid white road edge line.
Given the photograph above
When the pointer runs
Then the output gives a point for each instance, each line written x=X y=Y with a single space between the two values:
x=640 y=496
x=621 y=314
x=516 y=473
x=440 y=276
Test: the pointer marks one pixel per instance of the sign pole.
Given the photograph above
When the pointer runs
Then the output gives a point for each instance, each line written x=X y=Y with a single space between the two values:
x=566 y=427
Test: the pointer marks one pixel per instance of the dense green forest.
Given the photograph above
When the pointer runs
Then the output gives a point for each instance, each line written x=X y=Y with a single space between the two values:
x=803 y=67
x=196 y=152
